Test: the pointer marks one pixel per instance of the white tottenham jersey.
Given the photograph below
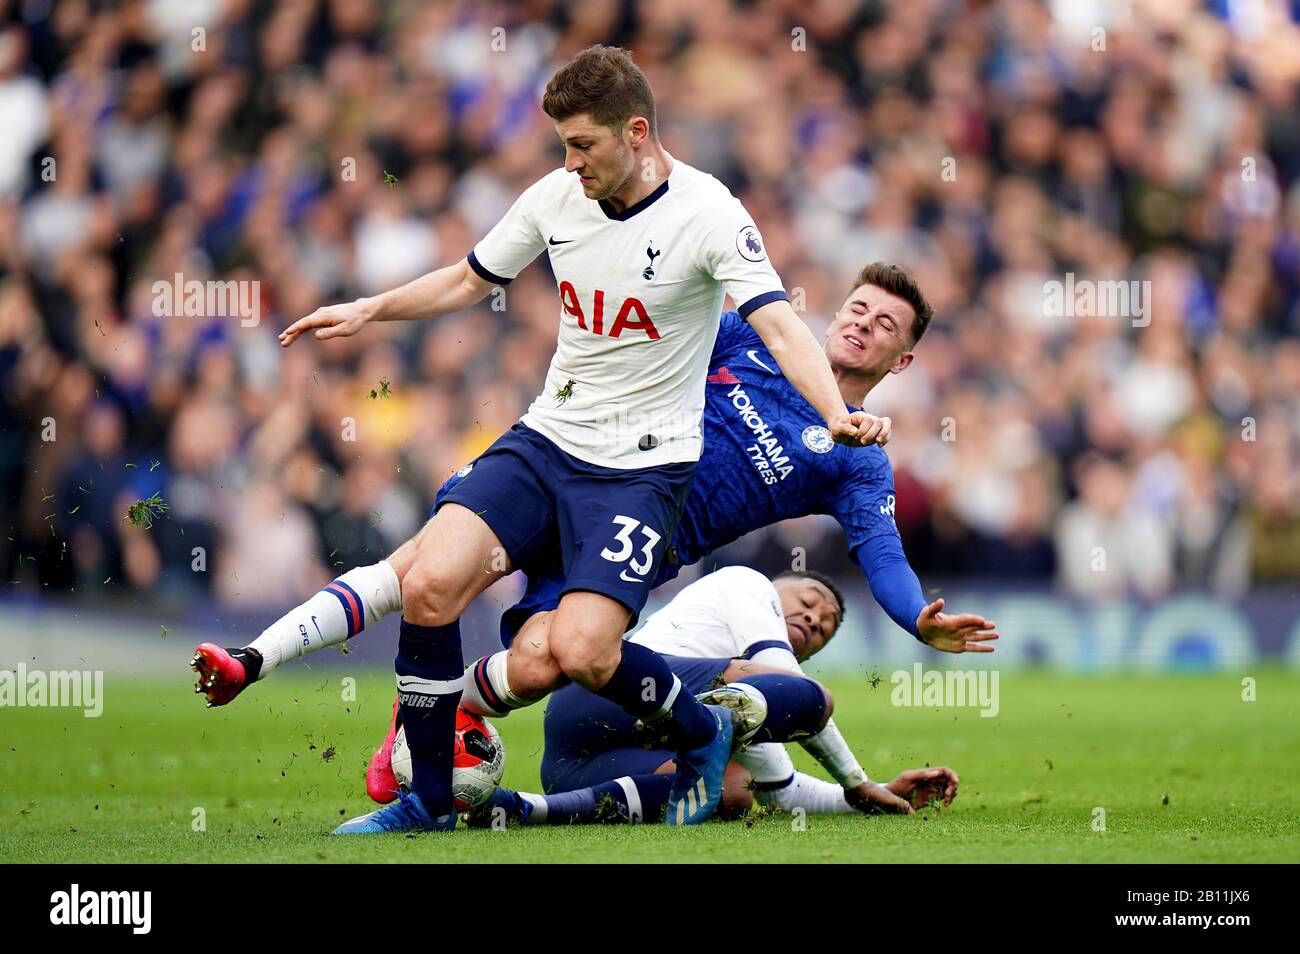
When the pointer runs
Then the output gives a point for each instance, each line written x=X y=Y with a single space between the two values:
x=640 y=298
x=731 y=612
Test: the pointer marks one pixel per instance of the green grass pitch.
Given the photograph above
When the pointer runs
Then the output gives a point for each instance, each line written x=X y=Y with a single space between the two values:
x=1185 y=770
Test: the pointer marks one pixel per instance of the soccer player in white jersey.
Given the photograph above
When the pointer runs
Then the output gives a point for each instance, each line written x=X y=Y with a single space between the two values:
x=733 y=626
x=643 y=248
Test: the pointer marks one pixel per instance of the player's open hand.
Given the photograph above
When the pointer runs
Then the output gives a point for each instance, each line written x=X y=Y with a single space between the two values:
x=959 y=633
x=860 y=429
x=332 y=321
x=871 y=798
x=922 y=786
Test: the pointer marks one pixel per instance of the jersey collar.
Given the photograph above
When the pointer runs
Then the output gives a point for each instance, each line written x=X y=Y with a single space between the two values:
x=635 y=207
x=641 y=206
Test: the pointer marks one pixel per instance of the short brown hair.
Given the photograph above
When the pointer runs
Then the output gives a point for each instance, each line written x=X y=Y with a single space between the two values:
x=603 y=82
x=896 y=281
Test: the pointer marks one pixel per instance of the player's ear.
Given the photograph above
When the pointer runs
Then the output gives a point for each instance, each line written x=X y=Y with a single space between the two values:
x=638 y=129
x=902 y=363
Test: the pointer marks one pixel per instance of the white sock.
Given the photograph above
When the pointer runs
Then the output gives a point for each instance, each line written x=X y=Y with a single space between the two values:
x=487 y=693
x=342 y=609
x=538 y=814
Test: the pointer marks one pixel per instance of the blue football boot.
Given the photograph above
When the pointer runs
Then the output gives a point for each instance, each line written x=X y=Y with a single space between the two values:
x=697 y=785
x=406 y=814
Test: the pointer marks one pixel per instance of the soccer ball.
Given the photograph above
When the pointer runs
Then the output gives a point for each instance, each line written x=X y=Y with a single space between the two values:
x=477 y=763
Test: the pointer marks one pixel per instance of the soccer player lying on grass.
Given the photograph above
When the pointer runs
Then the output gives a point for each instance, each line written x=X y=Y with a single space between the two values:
x=765 y=458
x=735 y=639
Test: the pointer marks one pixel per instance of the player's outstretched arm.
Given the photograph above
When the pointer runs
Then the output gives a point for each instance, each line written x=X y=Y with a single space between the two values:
x=437 y=293
x=804 y=364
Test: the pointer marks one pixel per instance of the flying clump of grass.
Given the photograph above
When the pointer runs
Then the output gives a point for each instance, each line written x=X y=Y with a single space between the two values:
x=143 y=512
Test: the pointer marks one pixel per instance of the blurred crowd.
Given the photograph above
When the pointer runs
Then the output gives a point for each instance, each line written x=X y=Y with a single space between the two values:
x=334 y=148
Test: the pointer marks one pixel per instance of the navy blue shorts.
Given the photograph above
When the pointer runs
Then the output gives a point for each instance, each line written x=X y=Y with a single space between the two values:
x=544 y=570
x=546 y=584
x=612 y=527
x=590 y=740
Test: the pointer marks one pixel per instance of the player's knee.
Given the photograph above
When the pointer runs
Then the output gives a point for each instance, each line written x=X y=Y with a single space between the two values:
x=531 y=669
x=403 y=558
x=536 y=679
x=585 y=654
x=430 y=597
x=830 y=707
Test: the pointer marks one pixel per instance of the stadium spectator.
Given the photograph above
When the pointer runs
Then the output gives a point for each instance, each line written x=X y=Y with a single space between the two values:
x=329 y=149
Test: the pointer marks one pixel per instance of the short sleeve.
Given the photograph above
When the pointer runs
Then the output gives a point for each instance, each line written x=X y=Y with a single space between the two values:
x=514 y=241
x=753 y=611
x=863 y=501
x=735 y=256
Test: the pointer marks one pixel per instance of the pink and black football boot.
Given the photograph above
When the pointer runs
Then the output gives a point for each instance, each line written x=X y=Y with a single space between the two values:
x=381 y=783
x=224 y=673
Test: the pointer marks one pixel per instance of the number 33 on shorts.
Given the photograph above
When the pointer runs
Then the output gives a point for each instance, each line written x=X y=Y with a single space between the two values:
x=641 y=564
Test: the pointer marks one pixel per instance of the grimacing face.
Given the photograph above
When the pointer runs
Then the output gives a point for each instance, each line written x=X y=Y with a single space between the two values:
x=602 y=159
x=872 y=332
x=812 y=614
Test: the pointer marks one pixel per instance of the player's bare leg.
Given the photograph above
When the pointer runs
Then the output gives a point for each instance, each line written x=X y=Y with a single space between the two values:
x=531 y=669
x=403 y=558
x=587 y=635
x=455 y=557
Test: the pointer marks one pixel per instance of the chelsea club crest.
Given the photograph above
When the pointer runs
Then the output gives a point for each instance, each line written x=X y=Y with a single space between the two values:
x=818 y=439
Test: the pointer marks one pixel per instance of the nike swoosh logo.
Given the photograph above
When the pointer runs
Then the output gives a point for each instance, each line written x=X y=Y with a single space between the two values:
x=561 y=242
x=753 y=356
x=630 y=579
x=317 y=625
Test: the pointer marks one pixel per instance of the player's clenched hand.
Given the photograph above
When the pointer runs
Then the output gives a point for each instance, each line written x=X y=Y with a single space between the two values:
x=960 y=633
x=872 y=429
x=922 y=786
x=873 y=799
x=332 y=321
x=860 y=429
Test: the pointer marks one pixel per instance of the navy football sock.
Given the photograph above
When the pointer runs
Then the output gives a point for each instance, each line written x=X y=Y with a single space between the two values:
x=645 y=687
x=627 y=800
x=430 y=676
x=796 y=706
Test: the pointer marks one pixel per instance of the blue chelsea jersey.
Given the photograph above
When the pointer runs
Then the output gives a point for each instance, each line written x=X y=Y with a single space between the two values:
x=768 y=457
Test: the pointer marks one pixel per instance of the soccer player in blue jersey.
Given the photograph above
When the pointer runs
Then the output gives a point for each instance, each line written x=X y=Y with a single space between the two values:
x=644 y=248
x=767 y=459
